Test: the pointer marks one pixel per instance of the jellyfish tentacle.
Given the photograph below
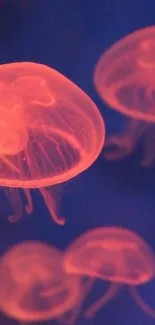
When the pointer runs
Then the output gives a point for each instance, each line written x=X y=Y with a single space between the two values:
x=141 y=303
x=29 y=205
x=16 y=203
x=113 y=289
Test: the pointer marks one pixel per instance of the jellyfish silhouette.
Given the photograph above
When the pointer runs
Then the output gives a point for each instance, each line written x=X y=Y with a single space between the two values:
x=50 y=131
x=116 y=255
x=34 y=285
x=124 y=78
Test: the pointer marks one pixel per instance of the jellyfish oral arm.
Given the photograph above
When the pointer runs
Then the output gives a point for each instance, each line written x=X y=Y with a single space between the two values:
x=51 y=205
x=16 y=204
x=141 y=303
x=29 y=205
x=15 y=200
x=118 y=147
x=112 y=291
x=121 y=146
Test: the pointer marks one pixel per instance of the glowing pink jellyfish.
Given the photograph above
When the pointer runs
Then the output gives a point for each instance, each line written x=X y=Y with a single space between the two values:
x=125 y=79
x=50 y=131
x=112 y=254
x=34 y=285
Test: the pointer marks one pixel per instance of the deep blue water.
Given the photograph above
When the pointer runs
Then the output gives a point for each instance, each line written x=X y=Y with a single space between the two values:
x=70 y=36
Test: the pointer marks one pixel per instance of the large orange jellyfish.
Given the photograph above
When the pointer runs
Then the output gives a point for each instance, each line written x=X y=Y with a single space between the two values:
x=50 y=131
x=125 y=79
x=34 y=285
x=112 y=254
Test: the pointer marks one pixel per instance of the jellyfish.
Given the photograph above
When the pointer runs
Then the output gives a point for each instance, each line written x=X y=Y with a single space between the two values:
x=34 y=285
x=124 y=78
x=50 y=131
x=116 y=255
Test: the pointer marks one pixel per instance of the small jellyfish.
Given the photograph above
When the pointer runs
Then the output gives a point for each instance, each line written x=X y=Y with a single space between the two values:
x=50 y=131
x=34 y=285
x=124 y=78
x=116 y=255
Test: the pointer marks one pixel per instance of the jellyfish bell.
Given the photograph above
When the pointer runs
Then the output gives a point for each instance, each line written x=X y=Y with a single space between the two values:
x=124 y=78
x=13 y=138
x=34 y=286
x=38 y=91
x=63 y=132
x=120 y=74
x=112 y=254
x=146 y=54
x=33 y=253
x=13 y=133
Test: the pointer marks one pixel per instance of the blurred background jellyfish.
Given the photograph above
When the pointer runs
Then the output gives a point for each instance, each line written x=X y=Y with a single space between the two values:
x=50 y=131
x=112 y=254
x=34 y=286
x=124 y=78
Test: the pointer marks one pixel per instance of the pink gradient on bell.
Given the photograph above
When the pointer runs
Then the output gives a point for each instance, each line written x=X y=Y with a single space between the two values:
x=50 y=131
x=125 y=79
x=112 y=254
x=34 y=285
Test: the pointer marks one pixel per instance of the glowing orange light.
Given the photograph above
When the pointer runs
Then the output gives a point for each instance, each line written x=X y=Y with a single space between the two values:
x=34 y=285
x=114 y=254
x=50 y=131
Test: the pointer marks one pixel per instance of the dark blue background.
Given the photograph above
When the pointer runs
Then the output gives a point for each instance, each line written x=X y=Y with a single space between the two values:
x=70 y=36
